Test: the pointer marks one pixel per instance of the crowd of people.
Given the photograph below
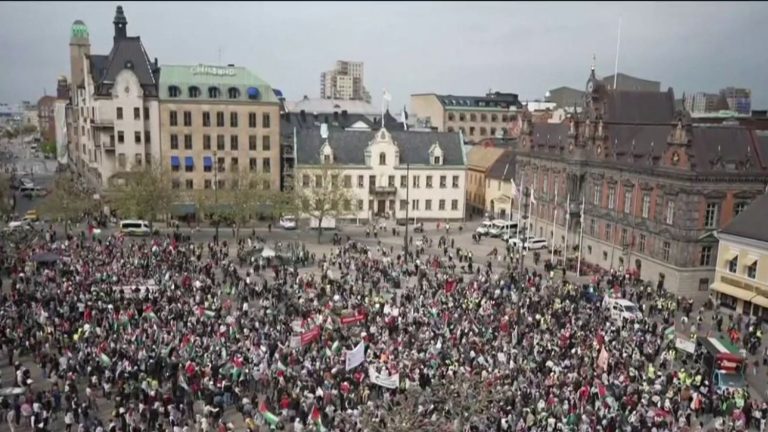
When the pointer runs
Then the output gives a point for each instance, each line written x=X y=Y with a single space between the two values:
x=172 y=335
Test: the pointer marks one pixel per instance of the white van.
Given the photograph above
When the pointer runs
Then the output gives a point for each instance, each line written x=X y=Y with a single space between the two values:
x=536 y=243
x=500 y=227
x=484 y=227
x=135 y=228
x=621 y=309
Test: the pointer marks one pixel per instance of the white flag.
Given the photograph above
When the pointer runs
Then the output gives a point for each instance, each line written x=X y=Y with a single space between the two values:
x=387 y=97
x=514 y=189
x=533 y=198
x=356 y=356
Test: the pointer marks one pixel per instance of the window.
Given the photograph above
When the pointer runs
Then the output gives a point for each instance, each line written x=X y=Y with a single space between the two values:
x=252 y=142
x=391 y=181
x=220 y=142
x=147 y=137
x=194 y=92
x=174 y=91
x=189 y=184
x=493 y=131
x=415 y=184
x=443 y=182
x=206 y=119
x=266 y=165
x=670 y=212
x=704 y=284
x=403 y=204
x=221 y=184
x=646 y=205
x=608 y=233
x=471 y=131
x=326 y=159
x=414 y=204
x=733 y=264
x=436 y=160
x=334 y=181
x=627 y=202
x=454 y=204
x=428 y=205
x=347 y=206
x=220 y=164
x=234 y=164
x=592 y=227
x=305 y=180
x=252 y=120
x=483 y=117
x=174 y=142
x=455 y=182
x=371 y=182
x=449 y=129
x=403 y=182
x=188 y=167
x=187 y=142
x=253 y=165
x=360 y=181
x=233 y=119
x=382 y=158
x=611 y=196
x=233 y=143
x=187 y=118
x=173 y=118
x=494 y=118
x=483 y=131
x=137 y=137
x=318 y=181
x=206 y=142
x=598 y=194
x=710 y=215
x=665 y=247
x=175 y=184
x=441 y=205
x=429 y=182
x=233 y=93
x=146 y=113
x=545 y=186
x=120 y=137
x=265 y=121
x=641 y=244
x=119 y=114
x=605 y=256
x=214 y=92
x=266 y=145
x=207 y=184
x=705 y=258
x=472 y=117
x=462 y=117
x=752 y=270
x=739 y=207
x=219 y=119
x=137 y=159
x=137 y=113
x=347 y=181
x=624 y=236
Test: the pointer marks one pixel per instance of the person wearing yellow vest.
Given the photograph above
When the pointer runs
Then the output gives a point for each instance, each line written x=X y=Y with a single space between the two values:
x=651 y=372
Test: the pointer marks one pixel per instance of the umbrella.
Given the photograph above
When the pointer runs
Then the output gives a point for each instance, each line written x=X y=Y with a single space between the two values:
x=268 y=253
x=46 y=258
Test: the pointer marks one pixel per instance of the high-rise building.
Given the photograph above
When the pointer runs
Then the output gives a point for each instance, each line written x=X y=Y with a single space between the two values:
x=700 y=102
x=344 y=82
x=739 y=99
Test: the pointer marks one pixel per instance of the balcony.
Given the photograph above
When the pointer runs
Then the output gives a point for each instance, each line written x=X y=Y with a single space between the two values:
x=109 y=145
x=382 y=189
x=103 y=124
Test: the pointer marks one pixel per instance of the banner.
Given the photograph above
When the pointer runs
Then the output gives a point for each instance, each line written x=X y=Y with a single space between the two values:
x=356 y=356
x=352 y=319
x=390 y=382
x=310 y=336
x=602 y=359
x=295 y=342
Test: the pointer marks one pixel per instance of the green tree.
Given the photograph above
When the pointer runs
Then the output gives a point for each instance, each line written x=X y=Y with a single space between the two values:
x=145 y=192
x=28 y=129
x=48 y=148
x=6 y=196
x=244 y=197
x=68 y=201
x=326 y=197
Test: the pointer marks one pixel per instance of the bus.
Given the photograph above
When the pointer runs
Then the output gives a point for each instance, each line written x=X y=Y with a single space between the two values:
x=724 y=362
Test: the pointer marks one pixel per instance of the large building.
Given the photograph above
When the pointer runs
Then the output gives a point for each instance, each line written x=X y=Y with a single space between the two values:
x=344 y=82
x=480 y=158
x=500 y=188
x=628 y=82
x=216 y=122
x=476 y=117
x=384 y=170
x=741 y=278
x=738 y=99
x=702 y=103
x=113 y=118
x=656 y=186
x=45 y=118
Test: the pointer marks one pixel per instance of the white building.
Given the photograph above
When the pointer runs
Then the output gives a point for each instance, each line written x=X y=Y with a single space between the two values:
x=386 y=170
x=344 y=82
x=114 y=116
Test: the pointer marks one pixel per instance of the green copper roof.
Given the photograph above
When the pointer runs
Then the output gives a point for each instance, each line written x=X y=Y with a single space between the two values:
x=79 y=29
x=206 y=76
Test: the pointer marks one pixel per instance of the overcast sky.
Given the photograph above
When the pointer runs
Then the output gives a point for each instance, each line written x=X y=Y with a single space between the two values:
x=459 y=48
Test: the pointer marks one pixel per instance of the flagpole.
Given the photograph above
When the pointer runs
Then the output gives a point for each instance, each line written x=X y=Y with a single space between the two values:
x=554 y=228
x=581 y=237
x=567 y=219
x=520 y=204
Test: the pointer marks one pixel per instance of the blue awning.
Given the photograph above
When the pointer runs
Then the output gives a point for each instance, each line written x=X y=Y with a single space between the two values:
x=189 y=161
x=207 y=161
x=253 y=93
x=174 y=161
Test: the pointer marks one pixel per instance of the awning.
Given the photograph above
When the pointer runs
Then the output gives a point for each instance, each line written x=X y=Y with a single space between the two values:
x=207 y=161
x=189 y=161
x=761 y=301
x=731 y=254
x=175 y=161
x=733 y=291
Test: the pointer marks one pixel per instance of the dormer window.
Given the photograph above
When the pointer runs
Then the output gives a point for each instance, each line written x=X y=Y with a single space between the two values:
x=214 y=92
x=174 y=91
x=233 y=93
x=382 y=158
x=436 y=160
x=326 y=159
x=194 y=92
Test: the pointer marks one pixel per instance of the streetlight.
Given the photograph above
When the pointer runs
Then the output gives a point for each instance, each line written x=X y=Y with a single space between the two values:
x=407 y=205
x=216 y=195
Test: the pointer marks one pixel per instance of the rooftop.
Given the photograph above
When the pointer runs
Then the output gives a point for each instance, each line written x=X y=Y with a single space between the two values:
x=750 y=223
x=329 y=106
x=504 y=167
x=494 y=100
x=185 y=77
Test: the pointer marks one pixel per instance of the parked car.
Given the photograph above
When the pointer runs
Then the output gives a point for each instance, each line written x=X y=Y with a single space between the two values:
x=484 y=228
x=288 y=222
x=501 y=227
x=621 y=309
x=516 y=242
x=536 y=243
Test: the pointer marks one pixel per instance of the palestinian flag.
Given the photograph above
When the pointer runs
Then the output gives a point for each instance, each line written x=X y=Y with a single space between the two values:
x=201 y=311
x=317 y=419
x=270 y=418
x=600 y=389
x=336 y=347
x=150 y=316
x=105 y=360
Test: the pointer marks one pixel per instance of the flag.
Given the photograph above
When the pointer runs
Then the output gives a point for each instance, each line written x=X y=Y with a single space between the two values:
x=150 y=316
x=387 y=97
x=317 y=419
x=600 y=389
x=270 y=418
x=533 y=198
x=514 y=188
x=336 y=347
x=356 y=356
x=105 y=360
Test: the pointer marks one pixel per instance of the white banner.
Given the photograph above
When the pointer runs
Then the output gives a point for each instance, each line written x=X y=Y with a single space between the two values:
x=390 y=382
x=356 y=356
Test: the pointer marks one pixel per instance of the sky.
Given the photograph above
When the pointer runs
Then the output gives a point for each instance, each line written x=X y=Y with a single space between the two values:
x=462 y=48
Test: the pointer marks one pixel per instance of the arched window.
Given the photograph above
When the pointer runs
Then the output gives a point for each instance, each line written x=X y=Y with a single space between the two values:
x=382 y=158
x=214 y=92
x=233 y=93
x=194 y=92
x=174 y=91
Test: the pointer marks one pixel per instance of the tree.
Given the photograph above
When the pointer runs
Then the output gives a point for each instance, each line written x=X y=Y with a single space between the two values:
x=326 y=198
x=28 y=129
x=245 y=197
x=48 y=148
x=145 y=192
x=68 y=201
x=6 y=197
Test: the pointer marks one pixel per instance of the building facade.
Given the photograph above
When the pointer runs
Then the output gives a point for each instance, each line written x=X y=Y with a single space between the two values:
x=655 y=185
x=475 y=117
x=388 y=173
x=628 y=82
x=113 y=117
x=216 y=123
x=500 y=189
x=344 y=82
x=479 y=161
x=45 y=118
x=701 y=102
x=741 y=276
x=738 y=99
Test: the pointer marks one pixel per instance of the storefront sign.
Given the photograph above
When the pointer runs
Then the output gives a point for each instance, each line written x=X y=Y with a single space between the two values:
x=213 y=70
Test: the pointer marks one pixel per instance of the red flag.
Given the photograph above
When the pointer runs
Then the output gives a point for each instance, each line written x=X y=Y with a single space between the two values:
x=450 y=285
x=504 y=326
x=601 y=391
x=263 y=407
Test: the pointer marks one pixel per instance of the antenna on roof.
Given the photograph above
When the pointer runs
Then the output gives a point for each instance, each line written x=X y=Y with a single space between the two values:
x=616 y=66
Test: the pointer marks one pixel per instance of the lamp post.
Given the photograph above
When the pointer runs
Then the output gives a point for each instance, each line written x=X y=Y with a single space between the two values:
x=216 y=194
x=407 y=206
